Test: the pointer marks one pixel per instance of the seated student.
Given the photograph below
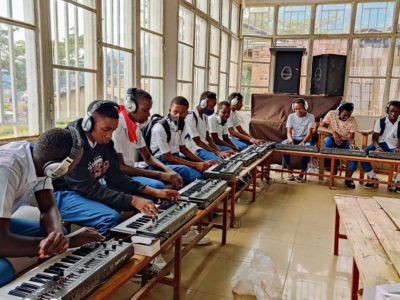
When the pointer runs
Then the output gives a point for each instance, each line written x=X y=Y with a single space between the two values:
x=97 y=190
x=299 y=127
x=217 y=124
x=239 y=136
x=189 y=166
x=24 y=173
x=196 y=124
x=385 y=138
x=128 y=139
x=342 y=126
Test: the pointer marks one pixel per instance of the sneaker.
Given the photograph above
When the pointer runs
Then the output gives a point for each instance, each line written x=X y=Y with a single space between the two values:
x=291 y=177
x=300 y=179
x=350 y=184
x=191 y=235
x=392 y=188
x=371 y=185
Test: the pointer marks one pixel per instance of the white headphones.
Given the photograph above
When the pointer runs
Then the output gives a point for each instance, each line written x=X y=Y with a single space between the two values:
x=300 y=100
x=55 y=169
x=203 y=103
x=130 y=102
x=234 y=101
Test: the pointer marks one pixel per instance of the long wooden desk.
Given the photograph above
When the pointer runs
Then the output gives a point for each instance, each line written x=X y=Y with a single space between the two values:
x=138 y=263
x=372 y=227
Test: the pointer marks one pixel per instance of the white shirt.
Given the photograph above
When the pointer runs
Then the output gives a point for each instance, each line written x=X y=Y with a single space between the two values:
x=300 y=125
x=197 y=131
x=390 y=134
x=159 y=141
x=233 y=120
x=18 y=178
x=215 y=127
x=124 y=146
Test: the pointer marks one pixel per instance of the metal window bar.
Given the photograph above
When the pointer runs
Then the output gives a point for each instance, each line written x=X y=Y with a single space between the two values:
x=119 y=53
x=56 y=59
x=14 y=99
x=77 y=81
x=68 y=83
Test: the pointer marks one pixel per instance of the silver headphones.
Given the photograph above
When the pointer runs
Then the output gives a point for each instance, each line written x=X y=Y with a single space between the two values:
x=130 y=102
x=203 y=103
x=234 y=101
x=87 y=122
x=55 y=169
x=302 y=100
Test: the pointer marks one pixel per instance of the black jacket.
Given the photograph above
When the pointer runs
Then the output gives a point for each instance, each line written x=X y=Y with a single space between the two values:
x=98 y=176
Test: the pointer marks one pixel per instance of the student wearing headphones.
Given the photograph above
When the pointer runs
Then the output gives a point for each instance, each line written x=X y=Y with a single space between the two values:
x=299 y=126
x=128 y=140
x=217 y=124
x=26 y=171
x=96 y=191
x=386 y=137
x=197 y=127
x=239 y=136
x=341 y=126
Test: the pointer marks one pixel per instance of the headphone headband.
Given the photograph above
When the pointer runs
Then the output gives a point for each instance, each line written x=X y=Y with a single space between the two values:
x=302 y=100
x=102 y=103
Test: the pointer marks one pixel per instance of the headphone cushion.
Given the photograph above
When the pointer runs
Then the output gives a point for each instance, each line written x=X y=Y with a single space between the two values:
x=50 y=167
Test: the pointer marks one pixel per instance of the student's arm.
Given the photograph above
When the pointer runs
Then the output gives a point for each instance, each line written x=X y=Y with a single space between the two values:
x=229 y=143
x=239 y=135
x=203 y=145
x=189 y=154
x=198 y=165
x=375 y=139
x=352 y=141
x=308 y=136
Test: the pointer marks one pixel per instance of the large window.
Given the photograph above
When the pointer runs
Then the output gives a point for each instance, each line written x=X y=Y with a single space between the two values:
x=374 y=17
x=258 y=21
x=333 y=18
x=294 y=19
x=19 y=105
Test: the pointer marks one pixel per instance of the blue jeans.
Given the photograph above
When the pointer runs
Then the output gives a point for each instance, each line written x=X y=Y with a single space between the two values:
x=224 y=148
x=366 y=165
x=154 y=183
x=329 y=142
x=305 y=159
x=77 y=209
x=24 y=227
x=239 y=143
x=207 y=155
x=187 y=173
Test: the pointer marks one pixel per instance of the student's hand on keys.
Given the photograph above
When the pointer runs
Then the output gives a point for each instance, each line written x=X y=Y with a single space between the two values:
x=259 y=142
x=174 y=178
x=290 y=142
x=83 y=236
x=302 y=144
x=397 y=150
x=222 y=154
x=231 y=151
x=54 y=243
x=145 y=206
x=212 y=162
x=201 y=166
x=168 y=194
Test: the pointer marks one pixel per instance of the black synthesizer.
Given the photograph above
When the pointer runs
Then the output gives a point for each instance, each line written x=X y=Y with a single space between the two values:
x=262 y=149
x=247 y=156
x=345 y=152
x=299 y=148
x=71 y=275
x=172 y=216
x=203 y=192
x=384 y=155
x=226 y=169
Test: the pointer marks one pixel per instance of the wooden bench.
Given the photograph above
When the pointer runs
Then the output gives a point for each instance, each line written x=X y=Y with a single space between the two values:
x=372 y=228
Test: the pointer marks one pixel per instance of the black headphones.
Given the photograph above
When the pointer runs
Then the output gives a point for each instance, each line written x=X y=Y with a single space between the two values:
x=130 y=102
x=55 y=169
x=396 y=102
x=345 y=104
x=87 y=122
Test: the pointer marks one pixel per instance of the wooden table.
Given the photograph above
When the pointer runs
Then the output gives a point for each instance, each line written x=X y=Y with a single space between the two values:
x=138 y=263
x=372 y=228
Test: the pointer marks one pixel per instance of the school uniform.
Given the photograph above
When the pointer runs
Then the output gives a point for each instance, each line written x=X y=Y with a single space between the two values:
x=219 y=129
x=233 y=122
x=159 y=145
x=129 y=150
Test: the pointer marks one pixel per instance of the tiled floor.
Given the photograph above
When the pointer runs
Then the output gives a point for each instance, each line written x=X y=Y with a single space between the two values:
x=290 y=222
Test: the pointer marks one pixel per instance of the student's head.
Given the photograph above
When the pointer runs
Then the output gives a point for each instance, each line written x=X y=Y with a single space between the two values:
x=236 y=101
x=345 y=110
x=208 y=100
x=224 y=111
x=138 y=104
x=57 y=151
x=299 y=106
x=178 y=110
x=393 y=110
x=104 y=117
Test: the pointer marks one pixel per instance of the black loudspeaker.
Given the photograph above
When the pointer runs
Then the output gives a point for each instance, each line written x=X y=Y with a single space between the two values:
x=328 y=74
x=287 y=69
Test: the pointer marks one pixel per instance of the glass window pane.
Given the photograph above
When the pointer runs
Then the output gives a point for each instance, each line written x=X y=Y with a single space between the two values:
x=258 y=21
x=199 y=83
x=256 y=49
x=118 y=74
x=186 y=24
x=214 y=41
x=151 y=54
x=155 y=88
x=233 y=75
x=333 y=18
x=151 y=15
x=394 y=90
x=366 y=94
x=224 y=52
x=185 y=62
x=213 y=88
x=90 y=3
x=369 y=57
x=185 y=89
x=73 y=91
x=235 y=18
x=202 y=5
x=374 y=17
x=118 y=22
x=21 y=10
x=200 y=44
x=396 y=61
x=234 y=50
x=18 y=87
x=222 y=87
x=189 y=1
x=73 y=33
x=330 y=47
x=247 y=91
x=214 y=9
x=299 y=44
x=294 y=19
x=255 y=74
x=213 y=76
x=225 y=13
